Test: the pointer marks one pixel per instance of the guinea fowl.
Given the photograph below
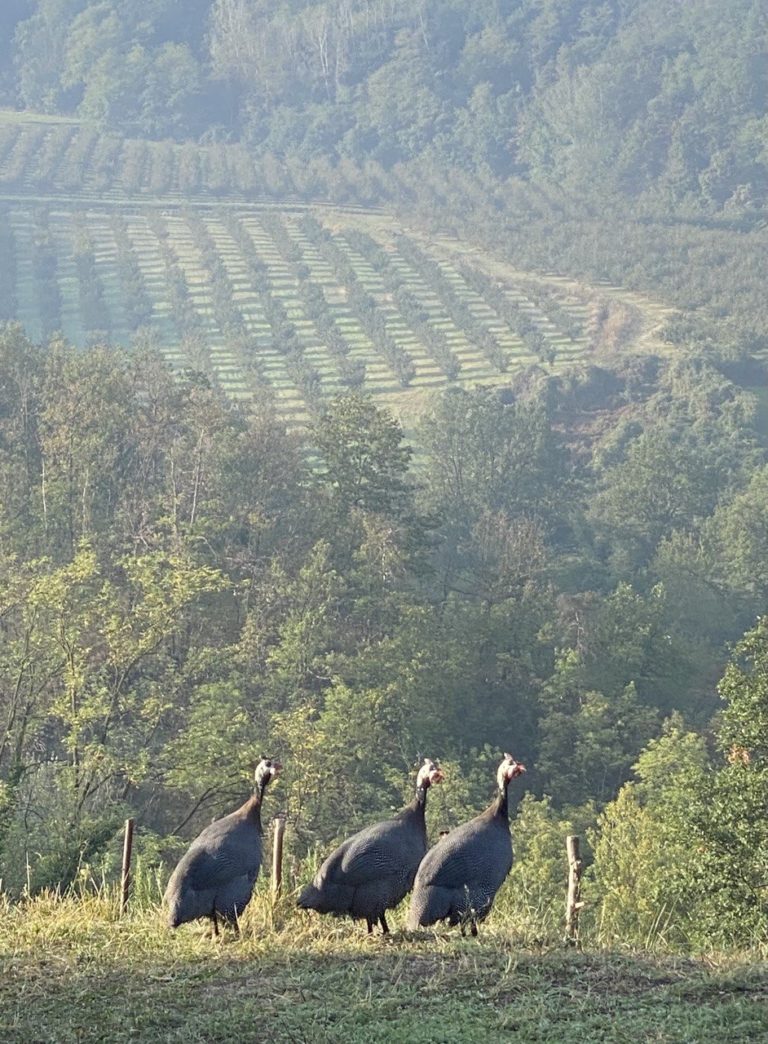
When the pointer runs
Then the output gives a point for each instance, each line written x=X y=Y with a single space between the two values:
x=458 y=879
x=373 y=870
x=217 y=873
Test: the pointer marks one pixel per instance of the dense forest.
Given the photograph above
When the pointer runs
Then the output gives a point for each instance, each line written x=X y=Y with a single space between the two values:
x=569 y=563
x=615 y=139
x=562 y=565
x=642 y=98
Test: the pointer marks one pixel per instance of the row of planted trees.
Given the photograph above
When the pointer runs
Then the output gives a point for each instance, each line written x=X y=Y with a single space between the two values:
x=536 y=224
x=284 y=337
x=388 y=309
x=416 y=317
x=70 y=157
x=351 y=372
x=360 y=302
x=452 y=303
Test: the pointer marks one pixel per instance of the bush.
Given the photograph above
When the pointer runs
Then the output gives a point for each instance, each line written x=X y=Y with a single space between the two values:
x=645 y=876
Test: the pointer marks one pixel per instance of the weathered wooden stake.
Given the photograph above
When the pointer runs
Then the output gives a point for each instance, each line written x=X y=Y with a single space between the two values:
x=277 y=854
x=573 y=903
x=125 y=878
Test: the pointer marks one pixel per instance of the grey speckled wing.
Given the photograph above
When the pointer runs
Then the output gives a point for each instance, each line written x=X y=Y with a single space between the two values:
x=382 y=850
x=224 y=850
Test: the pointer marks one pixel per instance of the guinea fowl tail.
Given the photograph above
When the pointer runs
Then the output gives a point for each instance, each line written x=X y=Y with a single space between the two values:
x=428 y=905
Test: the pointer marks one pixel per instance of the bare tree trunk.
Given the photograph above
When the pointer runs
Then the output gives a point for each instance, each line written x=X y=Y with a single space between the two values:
x=277 y=855
x=125 y=878
x=573 y=903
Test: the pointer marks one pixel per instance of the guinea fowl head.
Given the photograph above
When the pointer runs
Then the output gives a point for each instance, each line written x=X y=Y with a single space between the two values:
x=509 y=769
x=266 y=770
x=429 y=773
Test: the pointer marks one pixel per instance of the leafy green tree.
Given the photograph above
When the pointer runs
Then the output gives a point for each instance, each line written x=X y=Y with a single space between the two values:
x=21 y=377
x=486 y=453
x=627 y=636
x=84 y=441
x=364 y=457
x=588 y=739
x=689 y=568
x=741 y=537
x=41 y=42
x=494 y=477
x=82 y=688
x=646 y=863
x=660 y=486
x=729 y=818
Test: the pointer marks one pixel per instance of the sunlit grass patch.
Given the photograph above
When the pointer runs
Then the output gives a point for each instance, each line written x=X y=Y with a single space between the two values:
x=72 y=970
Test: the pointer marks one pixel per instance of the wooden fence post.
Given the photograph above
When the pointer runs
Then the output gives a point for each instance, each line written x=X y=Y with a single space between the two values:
x=125 y=878
x=573 y=903
x=277 y=854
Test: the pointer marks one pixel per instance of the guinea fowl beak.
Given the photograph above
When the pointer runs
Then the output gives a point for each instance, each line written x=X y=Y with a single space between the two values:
x=277 y=768
x=436 y=776
x=517 y=768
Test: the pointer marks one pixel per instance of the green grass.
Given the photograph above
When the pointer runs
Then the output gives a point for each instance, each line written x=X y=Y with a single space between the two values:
x=71 y=971
x=24 y=117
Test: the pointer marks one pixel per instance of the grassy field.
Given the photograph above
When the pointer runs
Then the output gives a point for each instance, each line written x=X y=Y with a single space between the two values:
x=71 y=971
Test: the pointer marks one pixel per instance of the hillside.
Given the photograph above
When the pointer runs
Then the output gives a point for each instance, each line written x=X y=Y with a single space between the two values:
x=619 y=141
x=639 y=99
x=381 y=379
x=297 y=300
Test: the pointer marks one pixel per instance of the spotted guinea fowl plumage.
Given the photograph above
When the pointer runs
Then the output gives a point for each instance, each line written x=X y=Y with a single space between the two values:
x=217 y=873
x=372 y=871
x=458 y=879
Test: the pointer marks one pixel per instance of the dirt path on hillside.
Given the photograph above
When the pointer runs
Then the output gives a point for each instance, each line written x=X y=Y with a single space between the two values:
x=653 y=314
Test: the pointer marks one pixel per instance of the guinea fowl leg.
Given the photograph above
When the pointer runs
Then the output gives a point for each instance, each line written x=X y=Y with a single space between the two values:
x=215 y=922
x=384 y=925
x=473 y=927
x=369 y=922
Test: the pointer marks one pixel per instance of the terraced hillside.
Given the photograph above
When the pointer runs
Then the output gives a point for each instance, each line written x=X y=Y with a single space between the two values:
x=291 y=298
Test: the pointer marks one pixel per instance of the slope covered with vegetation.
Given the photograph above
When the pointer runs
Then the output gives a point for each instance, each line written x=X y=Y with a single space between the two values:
x=635 y=97
x=183 y=584
x=299 y=304
x=618 y=139
x=298 y=205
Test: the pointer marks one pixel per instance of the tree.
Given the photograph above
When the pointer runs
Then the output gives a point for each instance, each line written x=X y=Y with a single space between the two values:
x=740 y=535
x=82 y=693
x=364 y=458
x=21 y=377
x=661 y=485
x=491 y=466
x=589 y=739
x=647 y=864
x=729 y=818
x=85 y=442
